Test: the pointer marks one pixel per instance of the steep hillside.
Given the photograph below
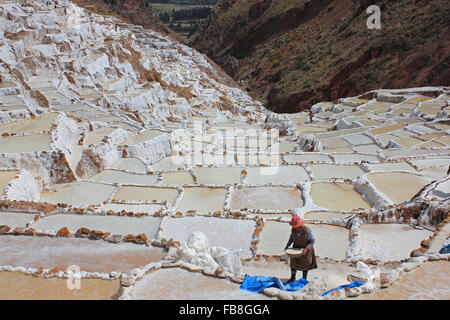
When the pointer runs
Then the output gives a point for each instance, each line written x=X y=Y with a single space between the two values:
x=138 y=12
x=293 y=53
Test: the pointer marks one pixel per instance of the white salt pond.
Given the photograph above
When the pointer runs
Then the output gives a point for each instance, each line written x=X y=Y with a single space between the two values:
x=185 y=285
x=269 y=198
x=89 y=255
x=177 y=178
x=19 y=286
x=219 y=175
x=113 y=224
x=5 y=177
x=130 y=164
x=331 y=241
x=169 y=163
x=120 y=177
x=142 y=137
x=391 y=166
x=398 y=186
x=276 y=175
x=390 y=242
x=147 y=194
x=228 y=233
x=81 y=193
x=33 y=143
x=132 y=207
x=203 y=199
x=36 y=125
x=325 y=215
x=337 y=196
x=330 y=171
x=15 y=219
x=428 y=282
x=96 y=136
x=354 y=157
x=301 y=158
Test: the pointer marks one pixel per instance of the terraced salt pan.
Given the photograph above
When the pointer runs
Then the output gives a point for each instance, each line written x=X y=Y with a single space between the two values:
x=355 y=157
x=300 y=158
x=120 y=177
x=329 y=171
x=442 y=190
x=130 y=164
x=391 y=166
x=334 y=142
x=276 y=175
x=96 y=136
x=136 y=208
x=398 y=186
x=169 y=163
x=187 y=285
x=19 y=286
x=147 y=194
x=5 y=177
x=408 y=142
x=33 y=143
x=386 y=129
x=89 y=255
x=203 y=199
x=228 y=233
x=177 y=178
x=339 y=149
x=325 y=215
x=15 y=219
x=337 y=196
x=357 y=139
x=219 y=175
x=36 y=125
x=142 y=137
x=113 y=224
x=432 y=285
x=80 y=193
x=367 y=148
x=266 y=198
x=330 y=241
x=390 y=242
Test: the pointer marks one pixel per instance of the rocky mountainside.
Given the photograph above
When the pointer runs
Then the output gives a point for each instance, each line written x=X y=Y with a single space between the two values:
x=293 y=53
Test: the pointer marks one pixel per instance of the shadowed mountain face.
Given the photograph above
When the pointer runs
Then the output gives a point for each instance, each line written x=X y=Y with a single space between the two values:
x=293 y=53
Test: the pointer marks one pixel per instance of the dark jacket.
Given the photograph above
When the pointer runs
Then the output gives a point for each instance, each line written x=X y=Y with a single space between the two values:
x=303 y=238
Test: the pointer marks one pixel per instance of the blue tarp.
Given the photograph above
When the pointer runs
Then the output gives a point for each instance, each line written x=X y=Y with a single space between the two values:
x=445 y=249
x=353 y=284
x=259 y=283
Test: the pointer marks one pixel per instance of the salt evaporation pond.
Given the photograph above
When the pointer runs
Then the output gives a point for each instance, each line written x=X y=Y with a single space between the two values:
x=390 y=242
x=216 y=229
x=398 y=186
x=325 y=215
x=300 y=158
x=147 y=194
x=33 y=143
x=5 y=177
x=113 y=224
x=37 y=125
x=15 y=219
x=96 y=136
x=333 y=171
x=428 y=282
x=80 y=193
x=203 y=199
x=120 y=177
x=179 y=284
x=19 y=286
x=132 y=207
x=276 y=175
x=177 y=178
x=337 y=196
x=89 y=255
x=266 y=198
x=219 y=175
x=331 y=241
x=130 y=164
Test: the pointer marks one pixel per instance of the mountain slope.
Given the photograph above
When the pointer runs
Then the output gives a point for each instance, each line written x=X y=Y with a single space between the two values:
x=292 y=53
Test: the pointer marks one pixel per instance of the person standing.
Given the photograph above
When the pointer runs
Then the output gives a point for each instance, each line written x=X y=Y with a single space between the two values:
x=301 y=237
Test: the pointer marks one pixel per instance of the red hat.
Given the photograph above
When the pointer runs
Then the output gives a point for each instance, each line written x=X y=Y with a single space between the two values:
x=296 y=222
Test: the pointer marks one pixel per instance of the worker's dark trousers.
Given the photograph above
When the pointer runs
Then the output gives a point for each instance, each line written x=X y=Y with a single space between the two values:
x=294 y=273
